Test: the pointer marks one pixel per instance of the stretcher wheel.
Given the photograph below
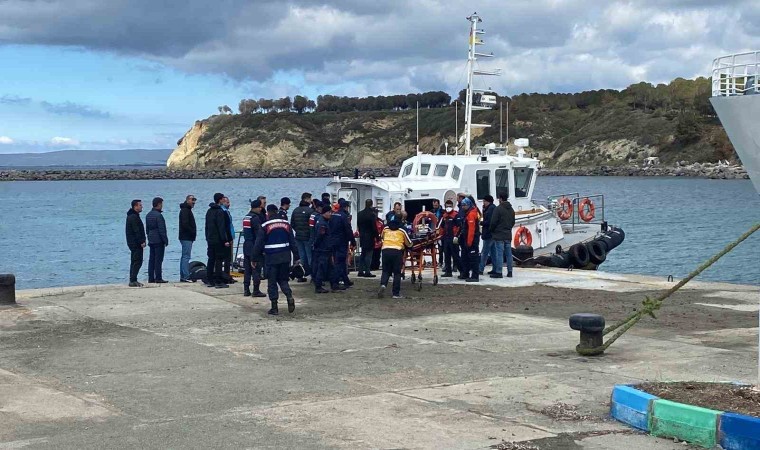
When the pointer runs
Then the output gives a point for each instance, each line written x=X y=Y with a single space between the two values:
x=419 y=285
x=414 y=277
x=435 y=280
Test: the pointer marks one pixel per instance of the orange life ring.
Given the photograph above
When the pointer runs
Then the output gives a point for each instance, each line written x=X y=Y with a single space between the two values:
x=425 y=215
x=565 y=208
x=587 y=215
x=523 y=237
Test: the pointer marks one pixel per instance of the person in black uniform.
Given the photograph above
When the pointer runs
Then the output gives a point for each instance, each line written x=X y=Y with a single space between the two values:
x=341 y=236
x=135 y=231
x=218 y=238
x=322 y=253
x=365 y=223
x=275 y=240
x=284 y=207
x=252 y=266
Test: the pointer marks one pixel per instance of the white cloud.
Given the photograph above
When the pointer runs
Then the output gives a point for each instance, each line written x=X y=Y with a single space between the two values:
x=5 y=140
x=64 y=141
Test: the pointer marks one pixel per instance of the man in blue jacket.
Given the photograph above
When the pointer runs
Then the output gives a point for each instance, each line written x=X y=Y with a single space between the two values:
x=275 y=240
x=341 y=236
x=155 y=226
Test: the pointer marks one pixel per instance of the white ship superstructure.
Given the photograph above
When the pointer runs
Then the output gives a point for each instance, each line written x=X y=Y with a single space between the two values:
x=479 y=171
x=736 y=99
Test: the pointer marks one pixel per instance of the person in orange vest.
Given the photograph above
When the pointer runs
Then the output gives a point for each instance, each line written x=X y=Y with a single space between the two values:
x=469 y=239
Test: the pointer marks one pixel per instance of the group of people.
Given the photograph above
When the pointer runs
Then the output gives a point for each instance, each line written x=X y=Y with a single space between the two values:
x=315 y=241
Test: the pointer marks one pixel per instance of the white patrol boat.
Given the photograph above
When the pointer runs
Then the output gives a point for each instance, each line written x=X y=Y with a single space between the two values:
x=565 y=222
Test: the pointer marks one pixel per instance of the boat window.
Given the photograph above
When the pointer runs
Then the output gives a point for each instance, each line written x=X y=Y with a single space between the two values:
x=523 y=177
x=424 y=169
x=483 y=178
x=455 y=172
x=407 y=170
x=502 y=182
x=379 y=204
x=440 y=170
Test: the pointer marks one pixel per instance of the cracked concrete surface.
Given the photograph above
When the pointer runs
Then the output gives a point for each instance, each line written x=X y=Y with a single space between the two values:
x=453 y=366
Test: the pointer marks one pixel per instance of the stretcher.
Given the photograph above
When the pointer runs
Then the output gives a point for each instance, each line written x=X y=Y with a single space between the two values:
x=425 y=236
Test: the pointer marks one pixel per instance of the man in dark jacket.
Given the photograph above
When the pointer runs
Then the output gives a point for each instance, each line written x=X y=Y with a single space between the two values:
x=155 y=226
x=488 y=208
x=135 y=232
x=365 y=223
x=253 y=266
x=300 y=224
x=502 y=221
x=284 y=207
x=450 y=223
x=341 y=236
x=275 y=240
x=187 y=235
x=438 y=211
x=218 y=238
x=323 y=267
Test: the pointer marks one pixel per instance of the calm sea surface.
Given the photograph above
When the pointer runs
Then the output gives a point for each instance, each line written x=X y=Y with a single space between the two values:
x=62 y=233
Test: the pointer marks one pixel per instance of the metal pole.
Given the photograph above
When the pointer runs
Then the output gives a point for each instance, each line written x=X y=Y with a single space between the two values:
x=456 y=121
x=501 y=122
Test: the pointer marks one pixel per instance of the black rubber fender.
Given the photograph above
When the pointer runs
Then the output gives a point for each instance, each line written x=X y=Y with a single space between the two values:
x=587 y=322
x=579 y=255
x=522 y=253
x=562 y=260
x=597 y=251
x=617 y=236
x=545 y=261
x=194 y=264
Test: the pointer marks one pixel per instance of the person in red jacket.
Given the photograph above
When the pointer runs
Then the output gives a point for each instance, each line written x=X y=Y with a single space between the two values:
x=450 y=224
x=469 y=239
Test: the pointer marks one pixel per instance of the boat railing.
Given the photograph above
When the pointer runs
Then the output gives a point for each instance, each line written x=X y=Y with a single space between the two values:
x=586 y=209
x=736 y=74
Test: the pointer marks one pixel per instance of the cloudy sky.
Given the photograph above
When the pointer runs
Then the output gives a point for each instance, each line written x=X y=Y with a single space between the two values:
x=117 y=74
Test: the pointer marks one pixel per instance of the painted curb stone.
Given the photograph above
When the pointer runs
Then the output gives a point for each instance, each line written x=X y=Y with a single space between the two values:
x=739 y=432
x=631 y=406
x=689 y=423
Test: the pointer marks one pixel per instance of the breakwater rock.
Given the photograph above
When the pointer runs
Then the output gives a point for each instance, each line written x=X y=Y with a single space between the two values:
x=681 y=169
x=168 y=174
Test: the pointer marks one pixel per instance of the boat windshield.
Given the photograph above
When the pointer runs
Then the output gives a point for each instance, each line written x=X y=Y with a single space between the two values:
x=424 y=169
x=455 y=172
x=406 y=170
x=502 y=181
x=523 y=177
x=440 y=170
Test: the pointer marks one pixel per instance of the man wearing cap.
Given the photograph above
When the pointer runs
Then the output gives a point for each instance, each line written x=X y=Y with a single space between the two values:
x=300 y=224
x=253 y=266
x=275 y=240
x=284 y=207
x=218 y=238
x=323 y=267
x=469 y=238
x=341 y=236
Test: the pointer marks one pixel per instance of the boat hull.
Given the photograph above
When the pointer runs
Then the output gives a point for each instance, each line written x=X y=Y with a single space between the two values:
x=739 y=116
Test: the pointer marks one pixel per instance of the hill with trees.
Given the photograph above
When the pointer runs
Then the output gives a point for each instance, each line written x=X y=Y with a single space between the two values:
x=673 y=121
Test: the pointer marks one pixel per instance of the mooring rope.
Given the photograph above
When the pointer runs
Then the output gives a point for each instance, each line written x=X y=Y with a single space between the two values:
x=652 y=305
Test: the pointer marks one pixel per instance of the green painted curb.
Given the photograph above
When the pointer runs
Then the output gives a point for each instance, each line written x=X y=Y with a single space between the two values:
x=688 y=423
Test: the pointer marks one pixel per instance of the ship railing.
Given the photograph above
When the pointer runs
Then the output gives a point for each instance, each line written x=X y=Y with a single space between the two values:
x=737 y=74
x=579 y=205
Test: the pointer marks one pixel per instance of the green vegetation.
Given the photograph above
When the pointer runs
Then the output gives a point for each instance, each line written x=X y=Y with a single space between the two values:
x=673 y=121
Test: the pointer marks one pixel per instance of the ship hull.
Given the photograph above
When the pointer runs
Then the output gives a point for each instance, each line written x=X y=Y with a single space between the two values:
x=740 y=117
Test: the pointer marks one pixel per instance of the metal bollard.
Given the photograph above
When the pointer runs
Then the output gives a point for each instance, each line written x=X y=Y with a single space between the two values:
x=7 y=289
x=591 y=327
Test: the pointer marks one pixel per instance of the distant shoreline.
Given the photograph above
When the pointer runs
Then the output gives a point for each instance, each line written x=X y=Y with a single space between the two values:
x=712 y=171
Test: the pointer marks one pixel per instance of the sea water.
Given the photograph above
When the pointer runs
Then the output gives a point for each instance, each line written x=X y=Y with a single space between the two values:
x=62 y=233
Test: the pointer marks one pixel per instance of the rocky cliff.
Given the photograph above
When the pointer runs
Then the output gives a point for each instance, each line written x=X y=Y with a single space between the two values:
x=611 y=135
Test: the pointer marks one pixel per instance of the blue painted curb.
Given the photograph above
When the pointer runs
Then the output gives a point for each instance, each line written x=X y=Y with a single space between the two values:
x=635 y=408
x=631 y=406
x=739 y=432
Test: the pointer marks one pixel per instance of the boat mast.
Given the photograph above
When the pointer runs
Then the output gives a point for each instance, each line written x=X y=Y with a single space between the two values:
x=471 y=71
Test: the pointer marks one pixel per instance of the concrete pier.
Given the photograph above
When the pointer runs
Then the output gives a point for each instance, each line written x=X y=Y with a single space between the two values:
x=452 y=366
